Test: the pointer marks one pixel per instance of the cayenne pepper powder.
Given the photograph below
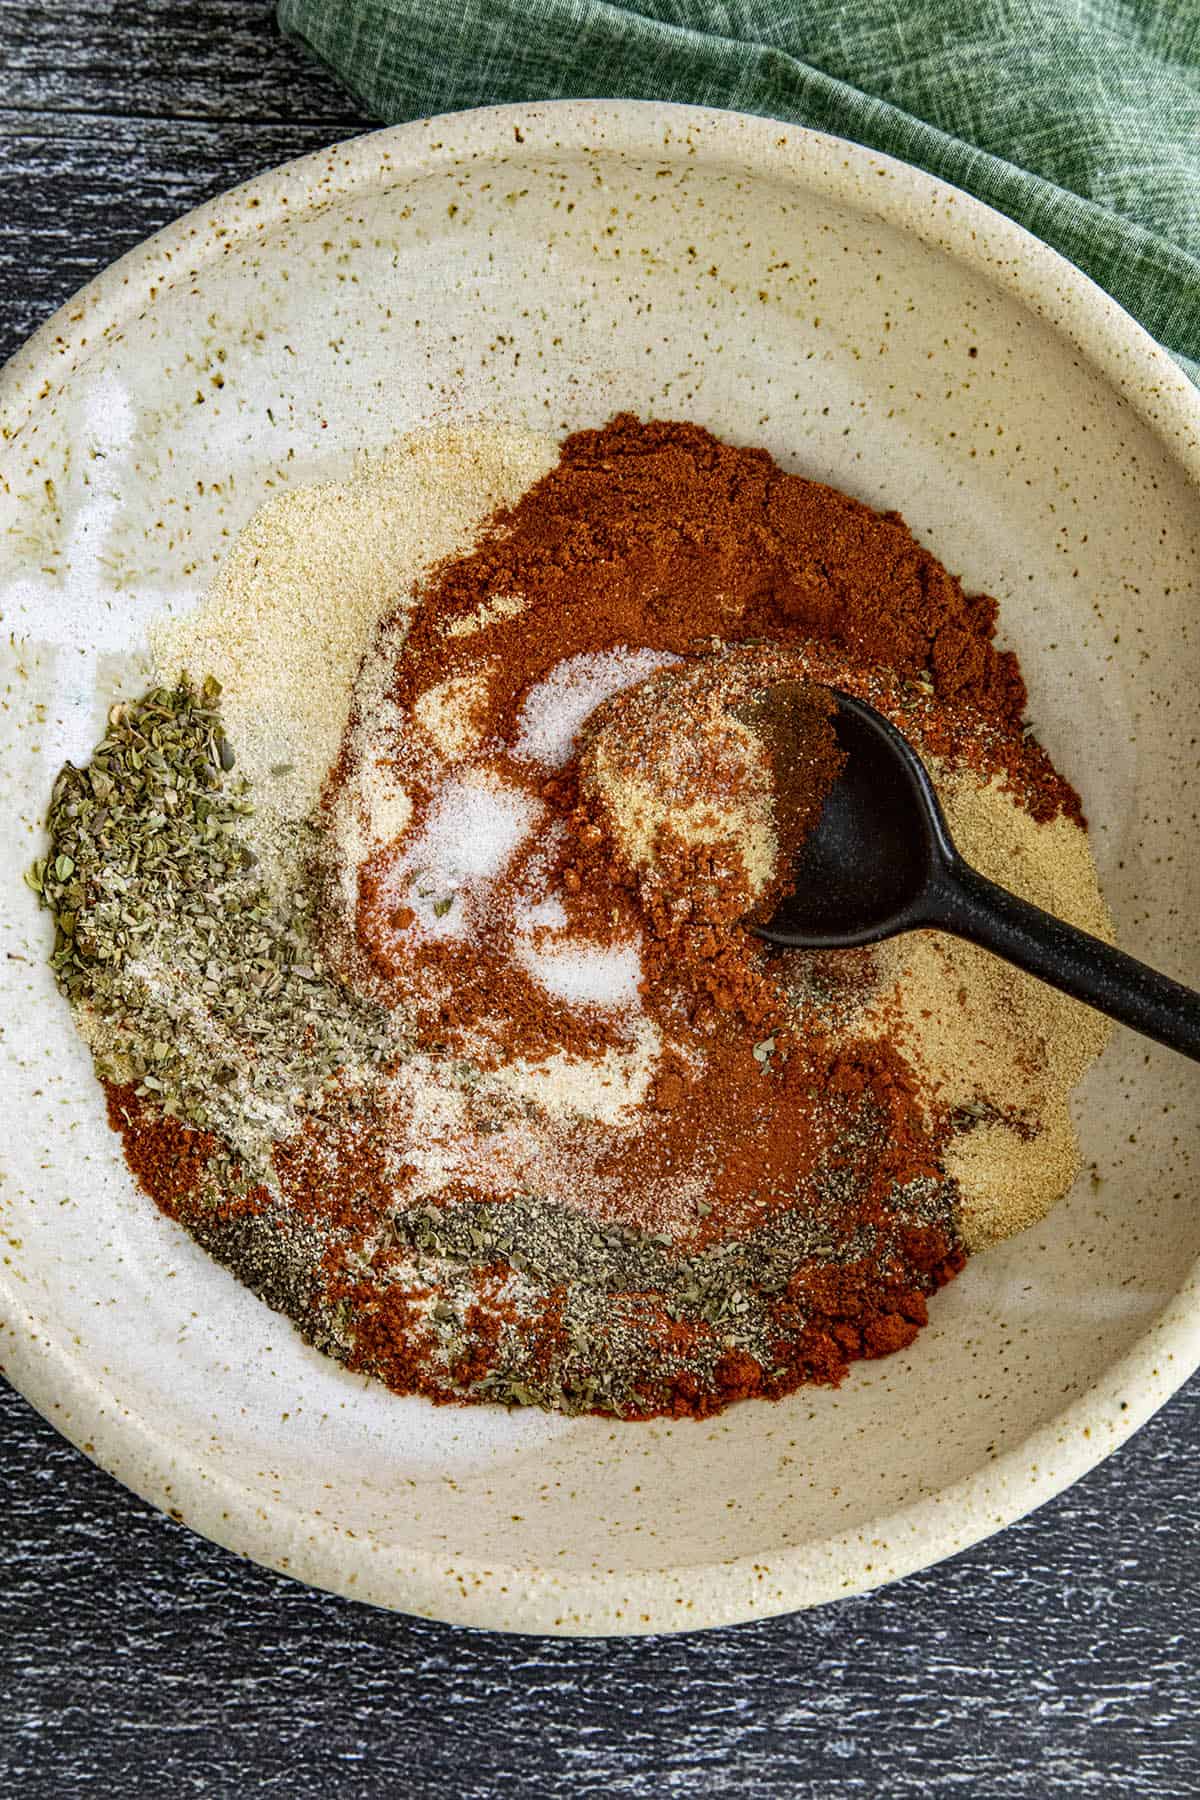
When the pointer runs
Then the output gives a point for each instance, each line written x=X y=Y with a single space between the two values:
x=659 y=535
x=167 y=1158
x=637 y=1162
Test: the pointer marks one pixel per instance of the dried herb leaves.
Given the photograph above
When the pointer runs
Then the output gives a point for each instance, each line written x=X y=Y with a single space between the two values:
x=193 y=981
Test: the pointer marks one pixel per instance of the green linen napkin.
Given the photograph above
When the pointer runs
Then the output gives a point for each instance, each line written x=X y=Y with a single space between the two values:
x=1078 y=118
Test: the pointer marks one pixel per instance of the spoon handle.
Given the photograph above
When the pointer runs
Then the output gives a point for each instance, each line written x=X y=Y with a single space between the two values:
x=965 y=902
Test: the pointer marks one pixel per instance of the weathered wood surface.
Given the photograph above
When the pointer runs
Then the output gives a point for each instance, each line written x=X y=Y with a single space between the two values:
x=1055 y=1662
x=1059 y=1659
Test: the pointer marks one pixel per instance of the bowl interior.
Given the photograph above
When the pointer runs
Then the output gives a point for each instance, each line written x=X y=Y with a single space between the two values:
x=543 y=270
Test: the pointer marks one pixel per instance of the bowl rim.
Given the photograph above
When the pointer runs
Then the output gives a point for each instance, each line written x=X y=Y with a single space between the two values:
x=54 y=1374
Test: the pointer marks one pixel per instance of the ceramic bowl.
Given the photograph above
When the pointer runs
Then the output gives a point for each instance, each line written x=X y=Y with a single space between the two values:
x=551 y=265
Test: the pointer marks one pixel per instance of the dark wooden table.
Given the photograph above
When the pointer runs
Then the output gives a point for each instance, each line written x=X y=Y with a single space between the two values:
x=1059 y=1659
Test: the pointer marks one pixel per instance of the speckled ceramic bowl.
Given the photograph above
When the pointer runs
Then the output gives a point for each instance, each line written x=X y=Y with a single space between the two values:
x=549 y=265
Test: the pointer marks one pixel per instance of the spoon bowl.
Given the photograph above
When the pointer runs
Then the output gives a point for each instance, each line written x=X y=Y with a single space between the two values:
x=862 y=874
x=881 y=861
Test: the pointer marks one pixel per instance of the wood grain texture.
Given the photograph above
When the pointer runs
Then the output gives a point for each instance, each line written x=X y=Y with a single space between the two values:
x=177 y=59
x=1056 y=1660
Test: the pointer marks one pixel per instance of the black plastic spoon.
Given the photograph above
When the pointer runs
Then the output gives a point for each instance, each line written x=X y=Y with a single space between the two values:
x=881 y=860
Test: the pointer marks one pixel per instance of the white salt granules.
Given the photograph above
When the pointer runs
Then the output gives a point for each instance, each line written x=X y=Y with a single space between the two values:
x=554 y=1136
x=475 y=825
x=585 y=974
x=556 y=708
x=549 y=914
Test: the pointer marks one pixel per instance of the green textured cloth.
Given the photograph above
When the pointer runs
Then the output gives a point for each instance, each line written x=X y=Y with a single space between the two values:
x=1079 y=118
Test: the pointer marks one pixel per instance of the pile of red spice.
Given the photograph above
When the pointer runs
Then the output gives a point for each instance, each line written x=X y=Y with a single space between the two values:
x=617 y=1091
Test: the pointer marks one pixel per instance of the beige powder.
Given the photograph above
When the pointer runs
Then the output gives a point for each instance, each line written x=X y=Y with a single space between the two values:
x=450 y=713
x=989 y=1039
x=488 y=612
x=670 y=756
x=288 y=618
x=637 y=815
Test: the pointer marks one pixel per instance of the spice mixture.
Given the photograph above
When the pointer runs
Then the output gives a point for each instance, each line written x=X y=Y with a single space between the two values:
x=439 y=1015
